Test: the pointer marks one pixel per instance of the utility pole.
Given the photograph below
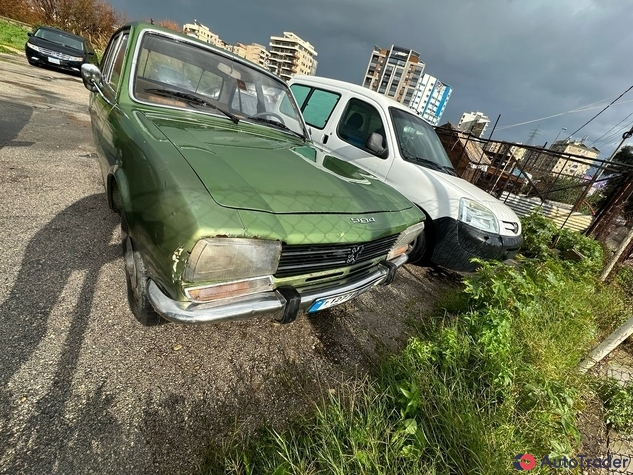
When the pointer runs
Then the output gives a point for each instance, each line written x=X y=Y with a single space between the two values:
x=533 y=135
x=598 y=174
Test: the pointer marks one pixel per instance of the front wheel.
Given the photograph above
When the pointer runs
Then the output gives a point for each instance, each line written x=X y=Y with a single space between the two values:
x=137 y=280
x=418 y=250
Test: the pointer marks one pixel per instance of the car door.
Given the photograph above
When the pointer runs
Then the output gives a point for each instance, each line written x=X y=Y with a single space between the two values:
x=342 y=124
x=103 y=106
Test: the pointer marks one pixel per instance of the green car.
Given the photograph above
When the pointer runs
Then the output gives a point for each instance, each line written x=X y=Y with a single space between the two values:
x=228 y=210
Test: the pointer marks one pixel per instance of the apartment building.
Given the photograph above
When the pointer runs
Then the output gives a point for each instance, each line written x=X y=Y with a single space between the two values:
x=430 y=98
x=394 y=72
x=579 y=167
x=474 y=122
x=197 y=30
x=290 y=55
x=254 y=52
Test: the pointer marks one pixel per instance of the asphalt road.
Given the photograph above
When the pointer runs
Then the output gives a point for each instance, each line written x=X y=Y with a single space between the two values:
x=83 y=387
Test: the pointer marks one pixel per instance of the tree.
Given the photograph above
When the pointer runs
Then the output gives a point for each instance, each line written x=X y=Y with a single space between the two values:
x=169 y=24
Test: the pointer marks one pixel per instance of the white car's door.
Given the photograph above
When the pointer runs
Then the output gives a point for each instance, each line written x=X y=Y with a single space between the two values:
x=342 y=124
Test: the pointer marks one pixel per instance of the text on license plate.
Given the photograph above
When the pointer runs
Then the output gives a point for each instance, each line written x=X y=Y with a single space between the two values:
x=322 y=304
x=53 y=60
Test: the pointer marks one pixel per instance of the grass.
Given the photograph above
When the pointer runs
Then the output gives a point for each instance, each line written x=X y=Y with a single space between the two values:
x=12 y=35
x=7 y=51
x=490 y=376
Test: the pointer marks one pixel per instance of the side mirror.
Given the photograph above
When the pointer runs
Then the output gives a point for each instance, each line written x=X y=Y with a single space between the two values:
x=91 y=76
x=91 y=53
x=374 y=145
x=30 y=33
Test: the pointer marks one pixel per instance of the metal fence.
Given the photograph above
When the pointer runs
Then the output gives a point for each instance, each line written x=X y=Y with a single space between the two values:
x=577 y=190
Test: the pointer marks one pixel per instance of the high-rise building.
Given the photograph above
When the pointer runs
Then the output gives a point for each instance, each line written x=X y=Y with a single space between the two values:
x=197 y=30
x=473 y=122
x=394 y=72
x=430 y=98
x=254 y=52
x=290 y=55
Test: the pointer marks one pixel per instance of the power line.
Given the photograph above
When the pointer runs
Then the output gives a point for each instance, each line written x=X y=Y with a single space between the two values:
x=616 y=133
x=579 y=109
x=598 y=139
x=595 y=116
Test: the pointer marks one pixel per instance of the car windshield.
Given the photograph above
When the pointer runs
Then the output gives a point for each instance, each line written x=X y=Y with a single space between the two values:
x=182 y=74
x=60 y=38
x=418 y=141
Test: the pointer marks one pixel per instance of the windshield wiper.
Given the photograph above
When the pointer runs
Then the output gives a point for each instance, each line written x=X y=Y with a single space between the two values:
x=431 y=164
x=276 y=123
x=192 y=100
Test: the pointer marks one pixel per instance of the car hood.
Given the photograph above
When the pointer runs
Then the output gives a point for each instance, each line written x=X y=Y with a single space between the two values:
x=255 y=168
x=41 y=42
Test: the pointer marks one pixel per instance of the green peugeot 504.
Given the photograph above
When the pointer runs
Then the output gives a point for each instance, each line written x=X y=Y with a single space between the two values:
x=228 y=210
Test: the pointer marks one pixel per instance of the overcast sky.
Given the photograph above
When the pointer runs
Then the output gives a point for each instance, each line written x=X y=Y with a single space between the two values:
x=523 y=59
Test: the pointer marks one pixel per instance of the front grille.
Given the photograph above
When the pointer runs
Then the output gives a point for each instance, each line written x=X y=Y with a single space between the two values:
x=57 y=54
x=305 y=259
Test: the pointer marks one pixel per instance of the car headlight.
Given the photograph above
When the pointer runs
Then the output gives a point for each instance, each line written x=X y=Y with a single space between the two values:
x=477 y=216
x=33 y=47
x=406 y=237
x=228 y=259
x=77 y=58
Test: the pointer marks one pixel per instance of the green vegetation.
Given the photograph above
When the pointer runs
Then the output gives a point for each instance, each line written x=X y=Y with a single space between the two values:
x=491 y=375
x=12 y=35
x=7 y=51
x=618 y=402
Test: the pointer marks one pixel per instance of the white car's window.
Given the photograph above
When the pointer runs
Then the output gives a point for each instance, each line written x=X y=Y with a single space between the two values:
x=167 y=69
x=418 y=141
x=316 y=104
x=359 y=121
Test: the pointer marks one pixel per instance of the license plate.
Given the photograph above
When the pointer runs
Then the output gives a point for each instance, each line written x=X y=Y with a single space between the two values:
x=53 y=60
x=322 y=304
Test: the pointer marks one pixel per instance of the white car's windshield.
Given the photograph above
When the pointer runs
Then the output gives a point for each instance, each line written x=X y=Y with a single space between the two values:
x=418 y=141
x=182 y=74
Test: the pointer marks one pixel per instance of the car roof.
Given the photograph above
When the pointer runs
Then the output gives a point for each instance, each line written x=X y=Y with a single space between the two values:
x=344 y=86
x=58 y=30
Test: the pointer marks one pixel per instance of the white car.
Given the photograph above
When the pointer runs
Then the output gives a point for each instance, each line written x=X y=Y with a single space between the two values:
x=387 y=139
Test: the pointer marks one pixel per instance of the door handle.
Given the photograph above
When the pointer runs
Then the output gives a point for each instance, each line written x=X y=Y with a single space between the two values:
x=325 y=138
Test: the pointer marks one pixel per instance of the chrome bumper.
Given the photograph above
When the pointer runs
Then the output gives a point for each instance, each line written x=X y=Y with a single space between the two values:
x=236 y=308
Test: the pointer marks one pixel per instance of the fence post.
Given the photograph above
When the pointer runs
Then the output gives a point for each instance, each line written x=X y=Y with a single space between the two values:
x=614 y=260
x=607 y=346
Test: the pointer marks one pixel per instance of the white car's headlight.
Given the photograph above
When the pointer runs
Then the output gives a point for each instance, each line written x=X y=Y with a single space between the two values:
x=406 y=237
x=477 y=216
x=229 y=259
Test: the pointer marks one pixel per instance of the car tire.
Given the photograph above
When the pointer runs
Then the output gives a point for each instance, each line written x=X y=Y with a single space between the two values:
x=137 y=280
x=422 y=247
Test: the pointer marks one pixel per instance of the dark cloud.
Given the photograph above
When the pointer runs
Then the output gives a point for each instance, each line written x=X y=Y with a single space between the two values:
x=521 y=59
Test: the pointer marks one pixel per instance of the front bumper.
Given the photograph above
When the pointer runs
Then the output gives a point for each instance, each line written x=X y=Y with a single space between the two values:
x=457 y=243
x=236 y=308
x=36 y=57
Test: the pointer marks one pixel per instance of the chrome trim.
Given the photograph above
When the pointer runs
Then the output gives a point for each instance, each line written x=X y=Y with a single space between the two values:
x=235 y=308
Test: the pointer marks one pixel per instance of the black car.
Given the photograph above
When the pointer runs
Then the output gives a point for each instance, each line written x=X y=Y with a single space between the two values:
x=58 y=49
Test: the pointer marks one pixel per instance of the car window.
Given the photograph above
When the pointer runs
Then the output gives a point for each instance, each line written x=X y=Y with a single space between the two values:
x=168 y=70
x=417 y=139
x=316 y=104
x=359 y=121
x=300 y=93
x=118 y=62
x=108 y=57
x=60 y=38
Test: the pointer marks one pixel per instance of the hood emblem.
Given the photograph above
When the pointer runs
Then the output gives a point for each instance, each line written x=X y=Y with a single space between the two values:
x=354 y=254
x=370 y=219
